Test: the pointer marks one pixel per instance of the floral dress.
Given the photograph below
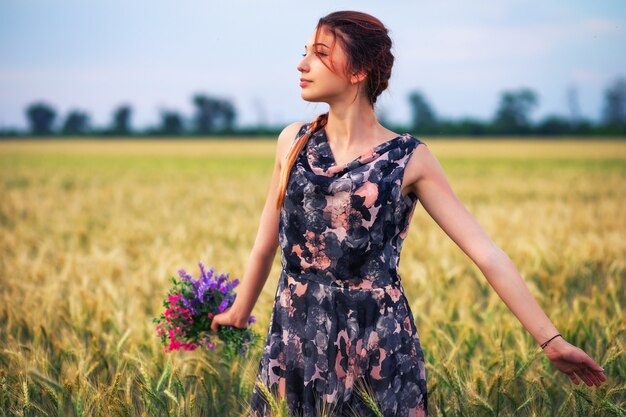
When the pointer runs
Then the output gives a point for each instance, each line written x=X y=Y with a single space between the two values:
x=340 y=318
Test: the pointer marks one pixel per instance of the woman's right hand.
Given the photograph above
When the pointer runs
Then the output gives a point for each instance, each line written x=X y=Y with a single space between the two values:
x=229 y=317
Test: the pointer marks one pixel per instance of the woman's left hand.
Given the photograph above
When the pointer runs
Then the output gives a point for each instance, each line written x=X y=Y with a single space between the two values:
x=574 y=362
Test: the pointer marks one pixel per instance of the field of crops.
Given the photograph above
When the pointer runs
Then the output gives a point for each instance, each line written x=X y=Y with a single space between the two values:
x=91 y=231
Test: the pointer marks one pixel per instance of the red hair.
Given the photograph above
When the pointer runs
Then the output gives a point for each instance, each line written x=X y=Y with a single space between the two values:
x=368 y=49
x=316 y=124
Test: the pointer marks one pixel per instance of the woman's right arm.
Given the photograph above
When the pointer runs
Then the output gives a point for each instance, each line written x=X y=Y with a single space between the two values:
x=265 y=245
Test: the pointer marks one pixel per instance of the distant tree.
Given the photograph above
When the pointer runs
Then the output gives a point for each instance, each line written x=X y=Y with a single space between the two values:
x=585 y=127
x=614 y=112
x=229 y=114
x=206 y=109
x=9 y=132
x=76 y=123
x=513 y=114
x=422 y=115
x=555 y=125
x=213 y=114
x=121 y=120
x=40 y=117
x=473 y=127
x=171 y=123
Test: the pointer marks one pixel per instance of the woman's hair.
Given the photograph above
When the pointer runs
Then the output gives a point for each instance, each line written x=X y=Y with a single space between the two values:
x=368 y=49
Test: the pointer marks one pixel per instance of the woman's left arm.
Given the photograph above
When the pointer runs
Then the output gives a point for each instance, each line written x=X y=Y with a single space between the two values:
x=426 y=178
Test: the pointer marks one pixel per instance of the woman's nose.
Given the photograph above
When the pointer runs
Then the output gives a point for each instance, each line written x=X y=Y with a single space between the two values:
x=302 y=65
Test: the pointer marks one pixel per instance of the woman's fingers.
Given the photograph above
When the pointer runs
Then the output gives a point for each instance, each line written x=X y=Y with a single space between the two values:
x=572 y=376
x=592 y=371
x=215 y=324
x=597 y=376
x=588 y=376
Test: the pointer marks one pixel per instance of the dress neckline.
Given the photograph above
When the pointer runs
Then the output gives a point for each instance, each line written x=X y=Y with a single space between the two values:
x=322 y=161
x=367 y=154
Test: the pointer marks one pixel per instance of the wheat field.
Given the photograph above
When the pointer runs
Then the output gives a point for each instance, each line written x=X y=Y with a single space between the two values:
x=91 y=231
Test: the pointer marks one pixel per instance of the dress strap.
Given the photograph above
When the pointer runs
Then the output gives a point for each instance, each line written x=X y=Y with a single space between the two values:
x=407 y=148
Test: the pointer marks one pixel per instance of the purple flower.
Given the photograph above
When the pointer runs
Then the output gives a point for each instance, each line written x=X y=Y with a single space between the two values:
x=188 y=305
x=221 y=278
x=224 y=305
x=251 y=319
x=203 y=271
x=224 y=289
x=200 y=291
x=184 y=275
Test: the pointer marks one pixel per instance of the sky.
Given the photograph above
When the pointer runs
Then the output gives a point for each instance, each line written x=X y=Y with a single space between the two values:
x=155 y=55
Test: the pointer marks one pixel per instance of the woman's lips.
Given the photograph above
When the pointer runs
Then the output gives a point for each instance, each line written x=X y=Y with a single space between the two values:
x=304 y=82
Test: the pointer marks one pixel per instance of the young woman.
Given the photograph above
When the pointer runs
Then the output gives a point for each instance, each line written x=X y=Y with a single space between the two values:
x=342 y=195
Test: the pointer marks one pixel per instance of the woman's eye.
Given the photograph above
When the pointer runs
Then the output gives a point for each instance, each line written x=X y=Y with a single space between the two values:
x=317 y=53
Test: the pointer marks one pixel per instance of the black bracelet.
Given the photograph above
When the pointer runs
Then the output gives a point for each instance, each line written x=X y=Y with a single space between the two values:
x=544 y=344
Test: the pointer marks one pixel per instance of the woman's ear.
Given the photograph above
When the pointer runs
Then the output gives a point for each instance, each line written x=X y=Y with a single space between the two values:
x=357 y=77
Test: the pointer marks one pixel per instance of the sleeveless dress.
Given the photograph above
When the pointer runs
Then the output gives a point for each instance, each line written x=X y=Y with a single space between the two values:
x=340 y=313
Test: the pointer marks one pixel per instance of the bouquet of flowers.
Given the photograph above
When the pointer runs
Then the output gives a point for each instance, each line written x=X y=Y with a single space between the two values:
x=189 y=309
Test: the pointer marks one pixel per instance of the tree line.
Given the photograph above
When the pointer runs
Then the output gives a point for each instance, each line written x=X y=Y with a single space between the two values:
x=212 y=115
x=513 y=116
x=217 y=116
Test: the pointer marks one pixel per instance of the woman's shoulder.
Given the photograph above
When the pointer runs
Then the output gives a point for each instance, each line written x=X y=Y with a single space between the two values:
x=292 y=131
x=421 y=161
x=287 y=137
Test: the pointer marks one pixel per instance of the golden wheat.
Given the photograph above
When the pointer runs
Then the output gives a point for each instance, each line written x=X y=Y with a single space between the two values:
x=93 y=229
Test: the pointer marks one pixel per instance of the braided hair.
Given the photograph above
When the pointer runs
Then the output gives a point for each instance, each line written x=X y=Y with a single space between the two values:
x=297 y=146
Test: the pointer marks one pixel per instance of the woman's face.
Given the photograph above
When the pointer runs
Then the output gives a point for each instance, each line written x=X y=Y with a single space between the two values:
x=317 y=82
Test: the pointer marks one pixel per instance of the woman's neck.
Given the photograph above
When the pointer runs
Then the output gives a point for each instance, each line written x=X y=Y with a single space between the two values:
x=352 y=126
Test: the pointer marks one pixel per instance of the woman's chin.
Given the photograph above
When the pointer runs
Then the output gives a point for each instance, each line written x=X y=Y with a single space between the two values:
x=311 y=98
